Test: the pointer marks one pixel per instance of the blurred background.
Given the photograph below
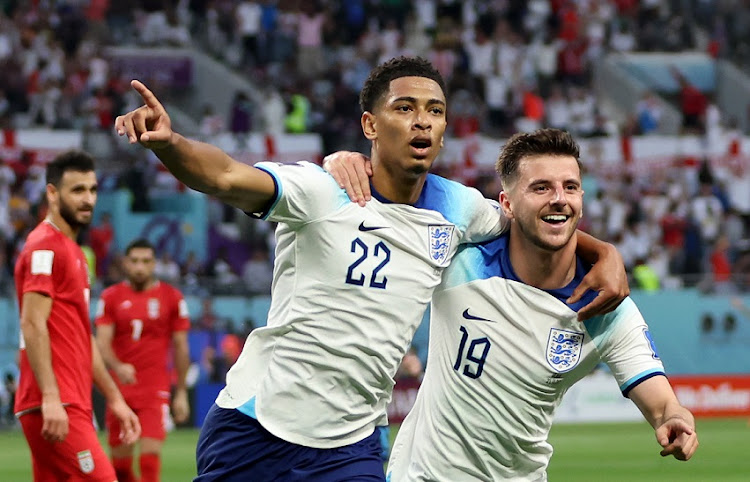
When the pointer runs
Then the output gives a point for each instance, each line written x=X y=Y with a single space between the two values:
x=657 y=93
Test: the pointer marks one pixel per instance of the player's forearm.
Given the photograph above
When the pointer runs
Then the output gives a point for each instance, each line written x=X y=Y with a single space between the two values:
x=672 y=410
x=102 y=379
x=199 y=165
x=182 y=364
x=593 y=250
x=107 y=354
x=39 y=354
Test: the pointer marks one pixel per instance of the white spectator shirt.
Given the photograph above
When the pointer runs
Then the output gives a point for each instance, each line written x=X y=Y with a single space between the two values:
x=350 y=287
x=502 y=355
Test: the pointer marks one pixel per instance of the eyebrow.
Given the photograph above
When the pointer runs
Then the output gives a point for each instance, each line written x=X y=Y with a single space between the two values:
x=413 y=100
x=547 y=181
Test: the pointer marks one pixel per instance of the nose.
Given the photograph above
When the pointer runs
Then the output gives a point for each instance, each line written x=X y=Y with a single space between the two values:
x=422 y=120
x=558 y=196
x=89 y=199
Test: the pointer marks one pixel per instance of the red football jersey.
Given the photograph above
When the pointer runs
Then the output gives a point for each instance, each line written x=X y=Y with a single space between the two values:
x=54 y=265
x=144 y=322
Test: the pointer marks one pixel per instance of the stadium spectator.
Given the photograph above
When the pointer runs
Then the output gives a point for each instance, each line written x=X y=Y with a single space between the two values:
x=648 y=114
x=139 y=322
x=693 y=103
x=167 y=269
x=101 y=237
x=58 y=356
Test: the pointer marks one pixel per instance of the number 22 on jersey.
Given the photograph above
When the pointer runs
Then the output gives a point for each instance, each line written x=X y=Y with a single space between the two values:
x=357 y=275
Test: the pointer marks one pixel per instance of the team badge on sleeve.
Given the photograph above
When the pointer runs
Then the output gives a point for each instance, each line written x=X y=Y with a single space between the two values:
x=41 y=261
x=86 y=461
x=440 y=240
x=564 y=349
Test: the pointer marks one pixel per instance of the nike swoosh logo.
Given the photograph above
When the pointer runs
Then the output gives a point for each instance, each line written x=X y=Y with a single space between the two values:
x=472 y=317
x=362 y=227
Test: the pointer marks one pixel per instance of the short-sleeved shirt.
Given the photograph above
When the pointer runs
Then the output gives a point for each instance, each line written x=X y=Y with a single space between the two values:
x=144 y=323
x=502 y=355
x=54 y=265
x=350 y=288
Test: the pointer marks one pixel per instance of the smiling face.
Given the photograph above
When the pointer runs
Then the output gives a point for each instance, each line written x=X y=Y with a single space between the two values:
x=545 y=200
x=407 y=125
x=75 y=198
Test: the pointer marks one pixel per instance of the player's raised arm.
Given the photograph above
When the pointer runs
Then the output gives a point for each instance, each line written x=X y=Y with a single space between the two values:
x=607 y=276
x=674 y=425
x=34 y=314
x=199 y=165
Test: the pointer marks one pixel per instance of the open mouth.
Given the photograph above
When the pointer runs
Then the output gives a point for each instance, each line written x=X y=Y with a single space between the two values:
x=555 y=219
x=421 y=144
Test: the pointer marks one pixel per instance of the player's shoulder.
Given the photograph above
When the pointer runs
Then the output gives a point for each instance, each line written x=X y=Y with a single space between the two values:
x=452 y=199
x=441 y=186
x=45 y=236
x=304 y=168
x=168 y=289
x=114 y=290
x=626 y=312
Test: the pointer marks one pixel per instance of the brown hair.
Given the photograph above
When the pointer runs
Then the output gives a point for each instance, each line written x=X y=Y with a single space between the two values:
x=553 y=142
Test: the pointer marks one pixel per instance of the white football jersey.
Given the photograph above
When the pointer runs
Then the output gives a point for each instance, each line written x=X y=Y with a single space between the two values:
x=502 y=355
x=350 y=287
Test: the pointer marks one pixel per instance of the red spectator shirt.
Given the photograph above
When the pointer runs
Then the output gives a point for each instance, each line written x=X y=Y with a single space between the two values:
x=54 y=265
x=144 y=322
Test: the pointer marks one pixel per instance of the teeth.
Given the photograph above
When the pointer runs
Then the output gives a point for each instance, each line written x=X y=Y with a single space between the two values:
x=555 y=217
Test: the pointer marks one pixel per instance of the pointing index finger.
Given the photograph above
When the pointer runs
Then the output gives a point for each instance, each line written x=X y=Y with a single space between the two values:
x=148 y=97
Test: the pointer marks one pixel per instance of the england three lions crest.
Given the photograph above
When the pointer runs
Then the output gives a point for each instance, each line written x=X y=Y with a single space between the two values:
x=564 y=349
x=440 y=240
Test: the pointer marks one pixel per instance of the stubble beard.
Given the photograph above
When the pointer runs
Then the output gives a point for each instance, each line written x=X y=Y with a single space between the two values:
x=536 y=239
x=69 y=215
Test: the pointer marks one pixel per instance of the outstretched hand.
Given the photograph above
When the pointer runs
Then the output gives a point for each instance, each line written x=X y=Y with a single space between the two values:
x=677 y=438
x=149 y=124
x=352 y=171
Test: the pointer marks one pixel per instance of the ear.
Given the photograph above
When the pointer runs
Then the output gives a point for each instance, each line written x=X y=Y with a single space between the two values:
x=51 y=193
x=369 y=127
x=505 y=205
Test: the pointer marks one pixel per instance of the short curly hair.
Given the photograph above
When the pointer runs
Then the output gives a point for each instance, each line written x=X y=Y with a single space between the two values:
x=379 y=80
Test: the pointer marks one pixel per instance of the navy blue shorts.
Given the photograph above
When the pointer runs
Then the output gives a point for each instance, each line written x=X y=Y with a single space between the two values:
x=235 y=447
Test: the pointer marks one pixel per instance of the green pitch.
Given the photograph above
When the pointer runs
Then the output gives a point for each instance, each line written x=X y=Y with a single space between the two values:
x=583 y=452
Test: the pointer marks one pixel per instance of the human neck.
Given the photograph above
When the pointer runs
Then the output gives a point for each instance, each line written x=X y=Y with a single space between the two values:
x=143 y=286
x=62 y=225
x=539 y=267
x=397 y=186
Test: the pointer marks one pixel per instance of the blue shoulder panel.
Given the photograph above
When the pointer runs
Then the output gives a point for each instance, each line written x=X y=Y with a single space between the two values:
x=492 y=259
x=447 y=197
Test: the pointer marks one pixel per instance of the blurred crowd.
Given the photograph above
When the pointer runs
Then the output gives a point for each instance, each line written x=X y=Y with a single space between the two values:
x=509 y=65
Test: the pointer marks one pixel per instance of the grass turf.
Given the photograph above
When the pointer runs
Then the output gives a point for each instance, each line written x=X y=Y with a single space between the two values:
x=583 y=452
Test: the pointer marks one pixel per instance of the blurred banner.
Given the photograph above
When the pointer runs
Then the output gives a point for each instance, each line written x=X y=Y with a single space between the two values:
x=714 y=395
